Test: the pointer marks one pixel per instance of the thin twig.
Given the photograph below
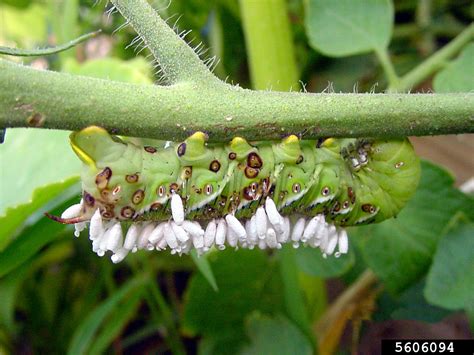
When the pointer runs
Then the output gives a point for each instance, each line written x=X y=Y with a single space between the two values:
x=17 y=52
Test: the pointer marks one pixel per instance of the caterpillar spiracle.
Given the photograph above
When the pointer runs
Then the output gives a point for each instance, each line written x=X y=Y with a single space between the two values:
x=195 y=194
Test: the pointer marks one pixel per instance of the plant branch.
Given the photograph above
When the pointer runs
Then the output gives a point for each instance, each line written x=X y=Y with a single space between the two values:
x=269 y=45
x=178 y=61
x=35 y=98
x=18 y=52
x=433 y=63
x=427 y=44
x=387 y=66
x=330 y=326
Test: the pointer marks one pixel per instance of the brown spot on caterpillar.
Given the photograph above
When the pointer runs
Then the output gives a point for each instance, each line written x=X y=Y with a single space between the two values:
x=254 y=160
x=149 y=149
x=351 y=194
x=282 y=195
x=208 y=189
x=254 y=187
x=35 y=120
x=127 y=212
x=399 y=164
x=187 y=172
x=161 y=190
x=88 y=199
x=266 y=186
x=116 y=190
x=235 y=201
x=102 y=178
x=222 y=201
x=249 y=195
x=107 y=211
x=131 y=178
x=232 y=156
x=107 y=214
x=174 y=187
x=251 y=173
x=215 y=166
x=210 y=212
x=181 y=149
x=138 y=197
x=368 y=208
x=336 y=207
x=300 y=159
x=156 y=206
x=105 y=194
x=325 y=191
x=296 y=188
x=345 y=205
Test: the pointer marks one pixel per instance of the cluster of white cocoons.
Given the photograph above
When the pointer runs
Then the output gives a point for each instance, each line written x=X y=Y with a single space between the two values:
x=266 y=229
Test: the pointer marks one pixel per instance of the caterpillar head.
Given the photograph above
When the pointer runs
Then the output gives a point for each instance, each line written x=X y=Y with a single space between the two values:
x=111 y=178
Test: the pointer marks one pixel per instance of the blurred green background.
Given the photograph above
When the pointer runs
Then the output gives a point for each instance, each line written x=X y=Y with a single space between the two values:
x=56 y=296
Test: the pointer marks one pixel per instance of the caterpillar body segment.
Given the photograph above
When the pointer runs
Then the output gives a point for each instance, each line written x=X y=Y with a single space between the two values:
x=239 y=194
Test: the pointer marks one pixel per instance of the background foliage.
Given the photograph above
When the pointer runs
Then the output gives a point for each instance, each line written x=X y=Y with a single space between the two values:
x=58 y=297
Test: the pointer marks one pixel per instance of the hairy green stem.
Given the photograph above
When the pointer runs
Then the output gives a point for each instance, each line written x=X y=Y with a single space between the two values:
x=35 y=98
x=269 y=45
x=178 y=62
x=433 y=63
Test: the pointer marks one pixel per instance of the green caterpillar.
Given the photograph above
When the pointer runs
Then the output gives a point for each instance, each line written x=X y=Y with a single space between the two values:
x=172 y=190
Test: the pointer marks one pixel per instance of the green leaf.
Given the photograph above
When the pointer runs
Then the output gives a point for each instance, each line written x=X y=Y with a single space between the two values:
x=349 y=74
x=136 y=71
x=203 y=265
x=17 y=217
x=470 y=316
x=400 y=250
x=195 y=13
x=450 y=281
x=115 y=324
x=27 y=27
x=458 y=75
x=85 y=332
x=413 y=305
x=10 y=285
x=294 y=303
x=31 y=160
x=246 y=282
x=18 y=3
x=312 y=262
x=275 y=336
x=346 y=27
x=30 y=241
x=225 y=344
x=314 y=291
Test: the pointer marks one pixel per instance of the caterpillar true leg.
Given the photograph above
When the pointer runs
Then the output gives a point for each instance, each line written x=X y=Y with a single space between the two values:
x=197 y=195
